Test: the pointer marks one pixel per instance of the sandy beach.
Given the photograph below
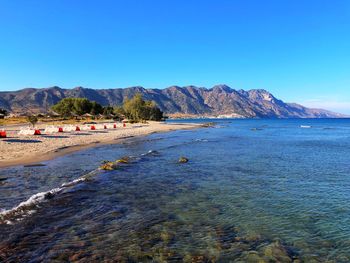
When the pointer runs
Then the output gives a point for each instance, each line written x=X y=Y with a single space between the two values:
x=20 y=150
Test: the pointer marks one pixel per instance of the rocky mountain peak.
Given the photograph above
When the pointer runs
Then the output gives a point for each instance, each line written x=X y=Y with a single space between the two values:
x=217 y=101
x=222 y=88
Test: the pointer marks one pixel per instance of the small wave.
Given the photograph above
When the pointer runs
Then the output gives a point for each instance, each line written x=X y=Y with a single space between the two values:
x=29 y=206
x=150 y=152
x=201 y=140
x=220 y=126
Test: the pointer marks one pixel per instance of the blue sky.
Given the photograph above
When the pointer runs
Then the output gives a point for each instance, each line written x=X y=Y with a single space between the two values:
x=298 y=49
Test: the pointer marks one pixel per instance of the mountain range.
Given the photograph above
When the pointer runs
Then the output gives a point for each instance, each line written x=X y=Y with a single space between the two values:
x=221 y=100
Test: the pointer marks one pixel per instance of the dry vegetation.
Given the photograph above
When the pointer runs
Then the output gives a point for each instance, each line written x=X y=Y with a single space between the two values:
x=14 y=120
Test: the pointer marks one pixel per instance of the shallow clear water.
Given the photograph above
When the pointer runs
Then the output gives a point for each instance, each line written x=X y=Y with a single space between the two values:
x=252 y=190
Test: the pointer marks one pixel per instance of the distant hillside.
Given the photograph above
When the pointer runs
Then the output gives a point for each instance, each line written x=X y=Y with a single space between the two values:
x=219 y=100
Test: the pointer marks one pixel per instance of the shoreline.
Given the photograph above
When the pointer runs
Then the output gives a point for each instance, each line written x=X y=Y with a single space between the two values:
x=49 y=150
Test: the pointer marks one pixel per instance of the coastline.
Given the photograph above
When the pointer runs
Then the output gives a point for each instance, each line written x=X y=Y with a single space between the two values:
x=27 y=150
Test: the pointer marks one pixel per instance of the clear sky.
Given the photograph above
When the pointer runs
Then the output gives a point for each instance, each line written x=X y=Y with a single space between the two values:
x=297 y=49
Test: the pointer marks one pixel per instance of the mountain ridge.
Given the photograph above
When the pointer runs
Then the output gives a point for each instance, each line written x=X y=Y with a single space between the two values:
x=220 y=100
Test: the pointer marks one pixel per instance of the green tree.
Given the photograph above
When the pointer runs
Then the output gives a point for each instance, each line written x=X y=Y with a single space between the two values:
x=81 y=106
x=96 y=108
x=118 y=110
x=155 y=114
x=32 y=119
x=108 y=110
x=64 y=107
x=134 y=107
x=68 y=106
x=137 y=109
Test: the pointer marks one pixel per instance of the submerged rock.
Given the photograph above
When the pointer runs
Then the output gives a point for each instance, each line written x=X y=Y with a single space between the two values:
x=268 y=252
x=276 y=252
x=183 y=160
x=124 y=159
x=253 y=256
x=109 y=166
x=208 y=124
x=49 y=195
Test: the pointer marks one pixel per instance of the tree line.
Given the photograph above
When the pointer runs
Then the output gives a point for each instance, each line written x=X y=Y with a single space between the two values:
x=69 y=107
x=135 y=109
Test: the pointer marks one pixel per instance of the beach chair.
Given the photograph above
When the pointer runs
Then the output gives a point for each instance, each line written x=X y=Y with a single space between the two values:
x=29 y=132
x=98 y=126
x=111 y=126
x=69 y=128
x=84 y=128
x=52 y=129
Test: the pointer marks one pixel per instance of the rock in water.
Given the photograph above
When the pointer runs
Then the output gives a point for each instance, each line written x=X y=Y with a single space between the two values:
x=183 y=160
x=124 y=159
x=208 y=124
x=109 y=166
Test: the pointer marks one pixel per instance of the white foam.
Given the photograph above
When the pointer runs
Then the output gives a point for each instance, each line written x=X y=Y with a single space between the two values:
x=143 y=154
x=201 y=140
x=29 y=206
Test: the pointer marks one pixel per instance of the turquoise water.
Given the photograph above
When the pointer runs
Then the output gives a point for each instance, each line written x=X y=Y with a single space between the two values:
x=252 y=190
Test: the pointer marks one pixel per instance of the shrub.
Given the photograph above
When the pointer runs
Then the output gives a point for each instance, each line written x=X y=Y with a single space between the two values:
x=32 y=119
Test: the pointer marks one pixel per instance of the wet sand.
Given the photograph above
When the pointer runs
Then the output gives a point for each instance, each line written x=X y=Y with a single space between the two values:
x=22 y=150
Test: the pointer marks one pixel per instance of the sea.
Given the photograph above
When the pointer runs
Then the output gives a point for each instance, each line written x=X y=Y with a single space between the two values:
x=253 y=190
